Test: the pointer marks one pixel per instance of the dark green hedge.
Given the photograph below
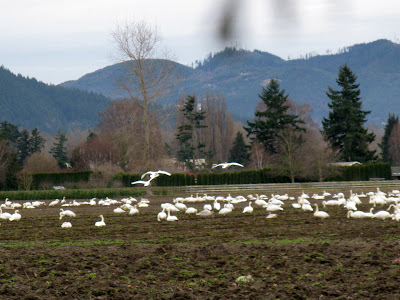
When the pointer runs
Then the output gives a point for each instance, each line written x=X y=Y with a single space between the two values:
x=352 y=173
x=70 y=194
x=59 y=178
x=363 y=172
x=241 y=177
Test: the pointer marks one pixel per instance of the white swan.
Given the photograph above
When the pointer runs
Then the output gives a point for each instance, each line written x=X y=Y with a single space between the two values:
x=171 y=218
x=303 y=201
x=304 y=195
x=248 y=209
x=54 y=202
x=66 y=213
x=383 y=214
x=275 y=201
x=326 y=194
x=207 y=206
x=350 y=205
x=273 y=207
x=191 y=210
x=133 y=210
x=100 y=223
x=205 y=213
x=217 y=205
x=5 y=215
x=356 y=214
x=296 y=205
x=145 y=183
x=307 y=207
x=118 y=210
x=66 y=225
x=318 y=197
x=331 y=203
x=226 y=165
x=169 y=206
x=7 y=202
x=377 y=199
x=161 y=215
x=271 y=216
x=154 y=174
x=15 y=216
x=369 y=214
x=225 y=210
x=320 y=214
x=180 y=206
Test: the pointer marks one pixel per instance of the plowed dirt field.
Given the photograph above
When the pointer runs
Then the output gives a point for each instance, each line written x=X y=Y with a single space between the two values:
x=236 y=256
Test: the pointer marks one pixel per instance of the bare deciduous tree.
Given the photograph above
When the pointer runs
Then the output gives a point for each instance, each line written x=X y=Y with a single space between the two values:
x=290 y=153
x=95 y=153
x=40 y=162
x=318 y=156
x=220 y=132
x=151 y=74
x=122 y=125
x=25 y=181
x=259 y=157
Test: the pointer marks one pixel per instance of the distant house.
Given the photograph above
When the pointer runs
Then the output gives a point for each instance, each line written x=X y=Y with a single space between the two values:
x=346 y=163
x=198 y=163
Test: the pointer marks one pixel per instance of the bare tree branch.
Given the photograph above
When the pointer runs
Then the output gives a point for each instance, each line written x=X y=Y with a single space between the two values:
x=150 y=72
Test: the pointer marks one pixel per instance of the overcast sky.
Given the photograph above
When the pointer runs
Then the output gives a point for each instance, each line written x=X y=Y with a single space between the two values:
x=59 y=40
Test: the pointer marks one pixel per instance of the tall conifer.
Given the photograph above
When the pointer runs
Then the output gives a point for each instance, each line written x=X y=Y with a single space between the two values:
x=384 y=145
x=59 y=149
x=270 y=122
x=344 y=127
x=239 y=152
x=190 y=146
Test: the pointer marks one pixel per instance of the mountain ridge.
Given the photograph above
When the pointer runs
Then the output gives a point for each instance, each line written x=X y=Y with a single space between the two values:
x=239 y=75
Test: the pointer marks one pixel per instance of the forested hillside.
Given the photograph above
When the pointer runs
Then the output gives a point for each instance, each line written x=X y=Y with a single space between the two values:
x=30 y=103
x=240 y=74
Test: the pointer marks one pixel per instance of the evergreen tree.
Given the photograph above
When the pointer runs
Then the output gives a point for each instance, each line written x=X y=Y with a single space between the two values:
x=11 y=133
x=344 y=129
x=11 y=181
x=23 y=146
x=36 y=141
x=384 y=145
x=91 y=136
x=275 y=118
x=190 y=146
x=59 y=150
x=239 y=152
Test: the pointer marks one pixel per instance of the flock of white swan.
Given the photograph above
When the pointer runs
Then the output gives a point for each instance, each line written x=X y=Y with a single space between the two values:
x=276 y=203
x=388 y=205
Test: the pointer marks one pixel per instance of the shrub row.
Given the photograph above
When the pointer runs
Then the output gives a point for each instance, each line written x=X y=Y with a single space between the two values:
x=363 y=172
x=352 y=173
x=59 y=178
x=71 y=194
x=242 y=177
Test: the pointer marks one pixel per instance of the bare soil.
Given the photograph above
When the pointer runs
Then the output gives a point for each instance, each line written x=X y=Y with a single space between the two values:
x=295 y=256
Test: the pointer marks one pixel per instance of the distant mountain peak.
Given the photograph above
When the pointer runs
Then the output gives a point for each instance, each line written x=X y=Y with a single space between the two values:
x=233 y=55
